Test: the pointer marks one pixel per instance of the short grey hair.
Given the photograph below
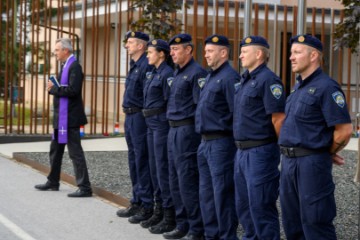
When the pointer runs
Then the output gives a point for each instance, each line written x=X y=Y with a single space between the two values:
x=65 y=43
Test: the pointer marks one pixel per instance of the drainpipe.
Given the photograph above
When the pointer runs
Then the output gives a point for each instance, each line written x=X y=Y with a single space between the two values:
x=247 y=17
x=301 y=17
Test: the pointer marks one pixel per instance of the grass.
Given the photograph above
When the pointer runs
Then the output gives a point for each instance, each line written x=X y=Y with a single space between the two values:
x=15 y=118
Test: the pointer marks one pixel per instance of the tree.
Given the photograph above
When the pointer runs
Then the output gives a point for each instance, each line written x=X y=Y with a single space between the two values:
x=156 y=17
x=347 y=32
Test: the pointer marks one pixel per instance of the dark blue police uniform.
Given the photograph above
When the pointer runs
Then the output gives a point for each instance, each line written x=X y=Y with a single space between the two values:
x=183 y=143
x=259 y=95
x=135 y=133
x=156 y=94
x=213 y=120
x=312 y=110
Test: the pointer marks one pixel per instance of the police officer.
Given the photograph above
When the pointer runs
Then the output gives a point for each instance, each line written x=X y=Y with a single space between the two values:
x=259 y=113
x=156 y=93
x=141 y=205
x=183 y=141
x=316 y=127
x=214 y=118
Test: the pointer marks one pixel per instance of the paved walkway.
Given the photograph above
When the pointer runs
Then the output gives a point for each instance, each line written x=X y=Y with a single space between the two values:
x=28 y=214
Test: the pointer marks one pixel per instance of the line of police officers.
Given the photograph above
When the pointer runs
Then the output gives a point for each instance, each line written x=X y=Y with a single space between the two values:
x=205 y=147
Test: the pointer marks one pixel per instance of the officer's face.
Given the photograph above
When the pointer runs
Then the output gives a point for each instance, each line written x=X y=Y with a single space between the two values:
x=179 y=53
x=249 y=57
x=300 y=58
x=213 y=55
x=154 y=56
x=132 y=46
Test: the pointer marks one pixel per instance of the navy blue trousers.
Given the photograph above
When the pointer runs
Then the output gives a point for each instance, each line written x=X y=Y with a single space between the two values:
x=183 y=143
x=257 y=189
x=135 y=135
x=157 y=134
x=307 y=197
x=217 y=193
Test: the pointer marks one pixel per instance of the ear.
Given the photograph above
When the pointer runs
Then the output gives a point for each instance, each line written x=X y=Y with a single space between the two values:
x=258 y=53
x=314 y=55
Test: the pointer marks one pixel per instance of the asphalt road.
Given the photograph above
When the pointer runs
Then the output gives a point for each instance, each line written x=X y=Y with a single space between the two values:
x=29 y=214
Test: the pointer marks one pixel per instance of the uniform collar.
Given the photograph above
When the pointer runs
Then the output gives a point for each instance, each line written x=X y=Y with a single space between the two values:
x=302 y=83
x=248 y=75
x=186 y=65
x=222 y=66
x=161 y=67
x=141 y=59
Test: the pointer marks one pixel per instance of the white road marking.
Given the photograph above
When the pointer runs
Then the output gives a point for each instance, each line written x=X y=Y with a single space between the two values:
x=15 y=229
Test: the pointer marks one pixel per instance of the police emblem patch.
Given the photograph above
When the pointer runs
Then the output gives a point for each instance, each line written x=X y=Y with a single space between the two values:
x=276 y=90
x=301 y=39
x=201 y=82
x=339 y=98
x=169 y=81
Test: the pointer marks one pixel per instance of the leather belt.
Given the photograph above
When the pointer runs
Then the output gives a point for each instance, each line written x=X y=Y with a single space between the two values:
x=186 y=121
x=253 y=143
x=153 y=111
x=293 y=152
x=131 y=110
x=215 y=135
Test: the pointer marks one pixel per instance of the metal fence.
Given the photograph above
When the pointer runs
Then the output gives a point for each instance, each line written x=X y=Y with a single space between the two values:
x=30 y=28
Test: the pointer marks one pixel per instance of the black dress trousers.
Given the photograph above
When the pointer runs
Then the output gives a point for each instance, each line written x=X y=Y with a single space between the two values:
x=77 y=157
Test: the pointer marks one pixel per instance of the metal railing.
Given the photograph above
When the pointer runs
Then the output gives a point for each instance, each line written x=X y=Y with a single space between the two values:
x=28 y=32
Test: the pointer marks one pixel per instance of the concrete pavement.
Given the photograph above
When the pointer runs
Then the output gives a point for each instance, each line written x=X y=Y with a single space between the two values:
x=29 y=214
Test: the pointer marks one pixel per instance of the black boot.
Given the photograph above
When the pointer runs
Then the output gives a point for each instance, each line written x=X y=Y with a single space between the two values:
x=155 y=218
x=142 y=215
x=167 y=224
x=129 y=211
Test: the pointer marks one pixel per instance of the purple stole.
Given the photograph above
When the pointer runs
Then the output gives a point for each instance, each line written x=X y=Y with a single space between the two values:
x=64 y=102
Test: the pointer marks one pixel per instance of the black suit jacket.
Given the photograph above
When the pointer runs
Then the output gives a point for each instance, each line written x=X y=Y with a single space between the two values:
x=76 y=113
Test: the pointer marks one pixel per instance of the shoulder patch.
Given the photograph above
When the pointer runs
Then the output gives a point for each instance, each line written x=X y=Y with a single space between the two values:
x=276 y=90
x=201 y=82
x=169 y=81
x=339 y=98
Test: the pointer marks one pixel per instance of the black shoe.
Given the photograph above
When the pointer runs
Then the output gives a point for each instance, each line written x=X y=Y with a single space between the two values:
x=80 y=193
x=167 y=224
x=47 y=186
x=129 y=211
x=162 y=227
x=143 y=215
x=174 y=234
x=192 y=237
x=155 y=218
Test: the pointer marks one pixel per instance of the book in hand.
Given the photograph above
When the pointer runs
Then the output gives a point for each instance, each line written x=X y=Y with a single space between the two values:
x=54 y=81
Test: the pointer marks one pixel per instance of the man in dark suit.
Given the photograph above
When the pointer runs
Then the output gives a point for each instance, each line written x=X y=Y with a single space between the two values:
x=69 y=115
